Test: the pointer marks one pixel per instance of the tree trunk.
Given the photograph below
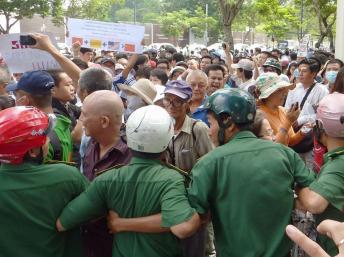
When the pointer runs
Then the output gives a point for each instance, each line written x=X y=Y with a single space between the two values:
x=229 y=35
x=330 y=38
x=229 y=10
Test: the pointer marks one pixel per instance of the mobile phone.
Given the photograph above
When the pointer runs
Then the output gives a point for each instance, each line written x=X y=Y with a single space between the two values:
x=27 y=40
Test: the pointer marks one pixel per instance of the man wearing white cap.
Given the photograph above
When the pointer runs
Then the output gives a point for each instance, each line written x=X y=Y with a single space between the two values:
x=244 y=70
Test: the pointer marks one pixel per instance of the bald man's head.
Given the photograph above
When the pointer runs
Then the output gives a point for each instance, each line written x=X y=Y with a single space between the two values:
x=102 y=110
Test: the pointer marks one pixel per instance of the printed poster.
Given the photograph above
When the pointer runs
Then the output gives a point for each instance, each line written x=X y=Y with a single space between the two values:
x=106 y=35
x=21 y=58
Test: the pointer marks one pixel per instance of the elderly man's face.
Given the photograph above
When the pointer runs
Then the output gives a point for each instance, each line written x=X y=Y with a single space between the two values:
x=90 y=121
x=199 y=86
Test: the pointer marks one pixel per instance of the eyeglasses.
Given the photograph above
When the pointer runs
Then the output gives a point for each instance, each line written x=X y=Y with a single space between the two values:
x=175 y=103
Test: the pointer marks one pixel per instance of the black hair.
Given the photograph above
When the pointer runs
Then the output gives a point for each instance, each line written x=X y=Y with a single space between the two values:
x=248 y=74
x=313 y=63
x=6 y=102
x=293 y=56
x=80 y=63
x=207 y=57
x=144 y=72
x=276 y=50
x=84 y=50
x=339 y=83
x=141 y=59
x=292 y=64
x=37 y=160
x=121 y=56
x=41 y=101
x=214 y=67
x=178 y=57
x=55 y=74
x=321 y=57
x=258 y=50
x=163 y=61
x=145 y=155
x=160 y=74
x=338 y=61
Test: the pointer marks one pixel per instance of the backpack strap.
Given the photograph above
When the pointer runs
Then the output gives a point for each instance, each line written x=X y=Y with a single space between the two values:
x=192 y=129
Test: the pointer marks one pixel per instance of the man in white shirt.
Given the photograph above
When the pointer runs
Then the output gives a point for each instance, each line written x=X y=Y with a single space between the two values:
x=308 y=70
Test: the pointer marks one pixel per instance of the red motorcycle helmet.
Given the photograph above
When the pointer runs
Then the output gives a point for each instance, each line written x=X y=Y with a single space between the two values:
x=21 y=129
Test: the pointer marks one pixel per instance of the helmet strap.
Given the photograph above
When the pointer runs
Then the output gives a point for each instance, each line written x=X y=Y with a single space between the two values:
x=224 y=123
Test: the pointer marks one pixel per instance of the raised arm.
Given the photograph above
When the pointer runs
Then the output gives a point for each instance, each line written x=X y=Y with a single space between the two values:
x=44 y=43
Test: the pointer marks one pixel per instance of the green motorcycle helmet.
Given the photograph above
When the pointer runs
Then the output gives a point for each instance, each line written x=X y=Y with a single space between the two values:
x=271 y=62
x=237 y=104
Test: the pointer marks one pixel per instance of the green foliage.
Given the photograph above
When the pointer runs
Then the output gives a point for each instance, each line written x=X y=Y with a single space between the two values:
x=124 y=14
x=18 y=9
x=175 y=23
x=276 y=19
x=199 y=20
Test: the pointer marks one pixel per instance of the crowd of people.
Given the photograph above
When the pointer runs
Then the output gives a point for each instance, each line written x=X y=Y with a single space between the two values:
x=161 y=154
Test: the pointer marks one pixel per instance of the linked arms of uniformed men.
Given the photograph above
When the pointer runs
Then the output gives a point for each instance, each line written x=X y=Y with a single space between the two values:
x=152 y=224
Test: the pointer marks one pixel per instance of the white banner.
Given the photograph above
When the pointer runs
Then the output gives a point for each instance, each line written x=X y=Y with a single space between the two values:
x=106 y=35
x=20 y=58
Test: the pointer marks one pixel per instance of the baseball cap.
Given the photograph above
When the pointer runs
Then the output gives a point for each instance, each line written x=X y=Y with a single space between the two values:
x=244 y=64
x=179 y=88
x=107 y=59
x=36 y=83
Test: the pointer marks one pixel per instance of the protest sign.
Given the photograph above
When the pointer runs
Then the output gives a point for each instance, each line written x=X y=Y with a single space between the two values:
x=303 y=46
x=20 y=58
x=106 y=35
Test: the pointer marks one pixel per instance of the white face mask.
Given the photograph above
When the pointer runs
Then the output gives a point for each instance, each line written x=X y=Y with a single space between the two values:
x=135 y=102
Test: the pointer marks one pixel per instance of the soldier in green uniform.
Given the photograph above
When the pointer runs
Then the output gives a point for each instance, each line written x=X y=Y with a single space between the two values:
x=144 y=187
x=325 y=195
x=246 y=183
x=32 y=194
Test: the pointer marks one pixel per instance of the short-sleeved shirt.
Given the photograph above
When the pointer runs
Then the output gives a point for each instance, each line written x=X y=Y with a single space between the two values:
x=247 y=184
x=308 y=111
x=201 y=113
x=144 y=187
x=330 y=185
x=32 y=197
x=190 y=144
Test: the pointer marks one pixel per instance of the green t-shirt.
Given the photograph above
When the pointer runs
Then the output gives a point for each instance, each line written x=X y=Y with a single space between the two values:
x=247 y=184
x=32 y=197
x=330 y=185
x=144 y=187
x=63 y=134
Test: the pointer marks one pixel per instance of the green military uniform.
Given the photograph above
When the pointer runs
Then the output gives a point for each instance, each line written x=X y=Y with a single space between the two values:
x=32 y=197
x=330 y=185
x=247 y=184
x=65 y=145
x=142 y=188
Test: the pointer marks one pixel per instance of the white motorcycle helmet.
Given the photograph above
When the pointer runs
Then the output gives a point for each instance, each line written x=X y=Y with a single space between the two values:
x=149 y=129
